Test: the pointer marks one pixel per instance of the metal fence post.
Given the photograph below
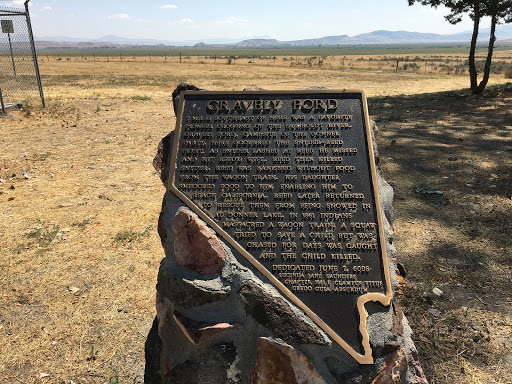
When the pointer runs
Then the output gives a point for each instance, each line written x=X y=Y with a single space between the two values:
x=17 y=38
x=34 y=54
x=2 y=101
x=12 y=56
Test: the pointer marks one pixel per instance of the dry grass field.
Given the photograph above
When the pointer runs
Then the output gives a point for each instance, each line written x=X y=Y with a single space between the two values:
x=79 y=203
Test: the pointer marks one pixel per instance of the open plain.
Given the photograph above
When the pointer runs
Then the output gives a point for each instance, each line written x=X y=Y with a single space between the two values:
x=79 y=204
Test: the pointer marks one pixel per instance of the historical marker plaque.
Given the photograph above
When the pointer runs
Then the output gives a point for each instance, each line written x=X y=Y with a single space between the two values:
x=289 y=180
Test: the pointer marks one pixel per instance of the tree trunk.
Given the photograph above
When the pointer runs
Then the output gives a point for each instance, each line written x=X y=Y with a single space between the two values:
x=487 y=68
x=472 y=67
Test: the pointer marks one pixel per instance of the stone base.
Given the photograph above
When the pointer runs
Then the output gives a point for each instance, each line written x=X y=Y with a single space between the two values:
x=218 y=321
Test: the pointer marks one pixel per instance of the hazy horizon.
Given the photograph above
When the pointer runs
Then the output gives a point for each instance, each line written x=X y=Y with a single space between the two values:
x=181 y=20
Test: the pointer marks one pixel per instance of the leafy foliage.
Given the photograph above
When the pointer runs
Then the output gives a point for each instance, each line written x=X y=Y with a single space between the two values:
x=500 y=11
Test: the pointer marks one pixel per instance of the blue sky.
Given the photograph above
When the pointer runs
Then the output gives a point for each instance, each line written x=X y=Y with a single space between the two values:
x=207 y=19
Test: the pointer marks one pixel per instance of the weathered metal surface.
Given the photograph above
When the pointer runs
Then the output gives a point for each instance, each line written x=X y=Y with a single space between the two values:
x=288 y=179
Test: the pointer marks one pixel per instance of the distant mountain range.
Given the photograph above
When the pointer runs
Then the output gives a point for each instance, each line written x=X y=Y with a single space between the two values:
x=503 y=32
x=123 y=41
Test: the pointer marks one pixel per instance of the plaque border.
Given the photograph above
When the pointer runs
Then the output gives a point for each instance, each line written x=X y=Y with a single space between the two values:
x=384 y=299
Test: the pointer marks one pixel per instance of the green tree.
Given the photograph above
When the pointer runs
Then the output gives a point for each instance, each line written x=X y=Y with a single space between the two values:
x=500 y=11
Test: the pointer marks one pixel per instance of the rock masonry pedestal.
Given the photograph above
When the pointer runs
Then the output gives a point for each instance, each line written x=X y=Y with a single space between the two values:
x=219 y=321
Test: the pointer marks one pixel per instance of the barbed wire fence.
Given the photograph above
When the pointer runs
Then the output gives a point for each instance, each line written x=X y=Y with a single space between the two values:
x=20 y=80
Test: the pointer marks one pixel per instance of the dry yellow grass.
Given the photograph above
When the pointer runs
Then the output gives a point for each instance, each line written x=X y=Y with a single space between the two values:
x=81 y=303
x=121 y=79
x=79 y=202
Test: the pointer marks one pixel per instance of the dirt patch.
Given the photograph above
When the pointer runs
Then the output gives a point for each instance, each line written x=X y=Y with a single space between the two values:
x=80 y=252
x=460 y=241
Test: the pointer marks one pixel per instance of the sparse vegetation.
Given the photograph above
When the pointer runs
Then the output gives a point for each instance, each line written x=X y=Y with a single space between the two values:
x=27 y=107
x=114 y=379
x=141 y=98
x=82 y=224
x=40 y=237
x=424 y=58
x=267 y=53
x=43 y=233
x=131 y=236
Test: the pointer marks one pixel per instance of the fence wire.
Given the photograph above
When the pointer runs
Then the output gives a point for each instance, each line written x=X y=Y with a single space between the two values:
x=19 y=79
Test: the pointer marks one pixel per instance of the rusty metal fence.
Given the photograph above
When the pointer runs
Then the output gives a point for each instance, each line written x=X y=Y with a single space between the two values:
x=20 y=80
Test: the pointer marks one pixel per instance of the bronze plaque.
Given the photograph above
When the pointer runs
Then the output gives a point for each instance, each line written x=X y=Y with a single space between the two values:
x=289 y=180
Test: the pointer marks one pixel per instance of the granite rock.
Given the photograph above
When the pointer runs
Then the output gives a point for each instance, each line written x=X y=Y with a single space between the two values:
x=199 y=331
x=418 y=376
x=196 y=247
x=393 y=369
x=161 y=160
x=275 y=314
x=187 y=293
x=210 y=367
x=152 y=350
x=278 y=362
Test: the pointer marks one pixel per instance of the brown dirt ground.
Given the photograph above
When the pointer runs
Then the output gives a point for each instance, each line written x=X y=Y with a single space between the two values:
x=79 y=202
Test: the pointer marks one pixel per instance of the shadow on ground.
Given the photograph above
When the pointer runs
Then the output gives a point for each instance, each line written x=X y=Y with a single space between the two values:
x=460 y=240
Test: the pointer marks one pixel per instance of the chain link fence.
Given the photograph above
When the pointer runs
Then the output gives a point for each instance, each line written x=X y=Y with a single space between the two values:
x=19 y=71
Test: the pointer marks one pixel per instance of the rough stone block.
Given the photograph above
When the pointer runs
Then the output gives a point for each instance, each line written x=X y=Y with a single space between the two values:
x=218 y=321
